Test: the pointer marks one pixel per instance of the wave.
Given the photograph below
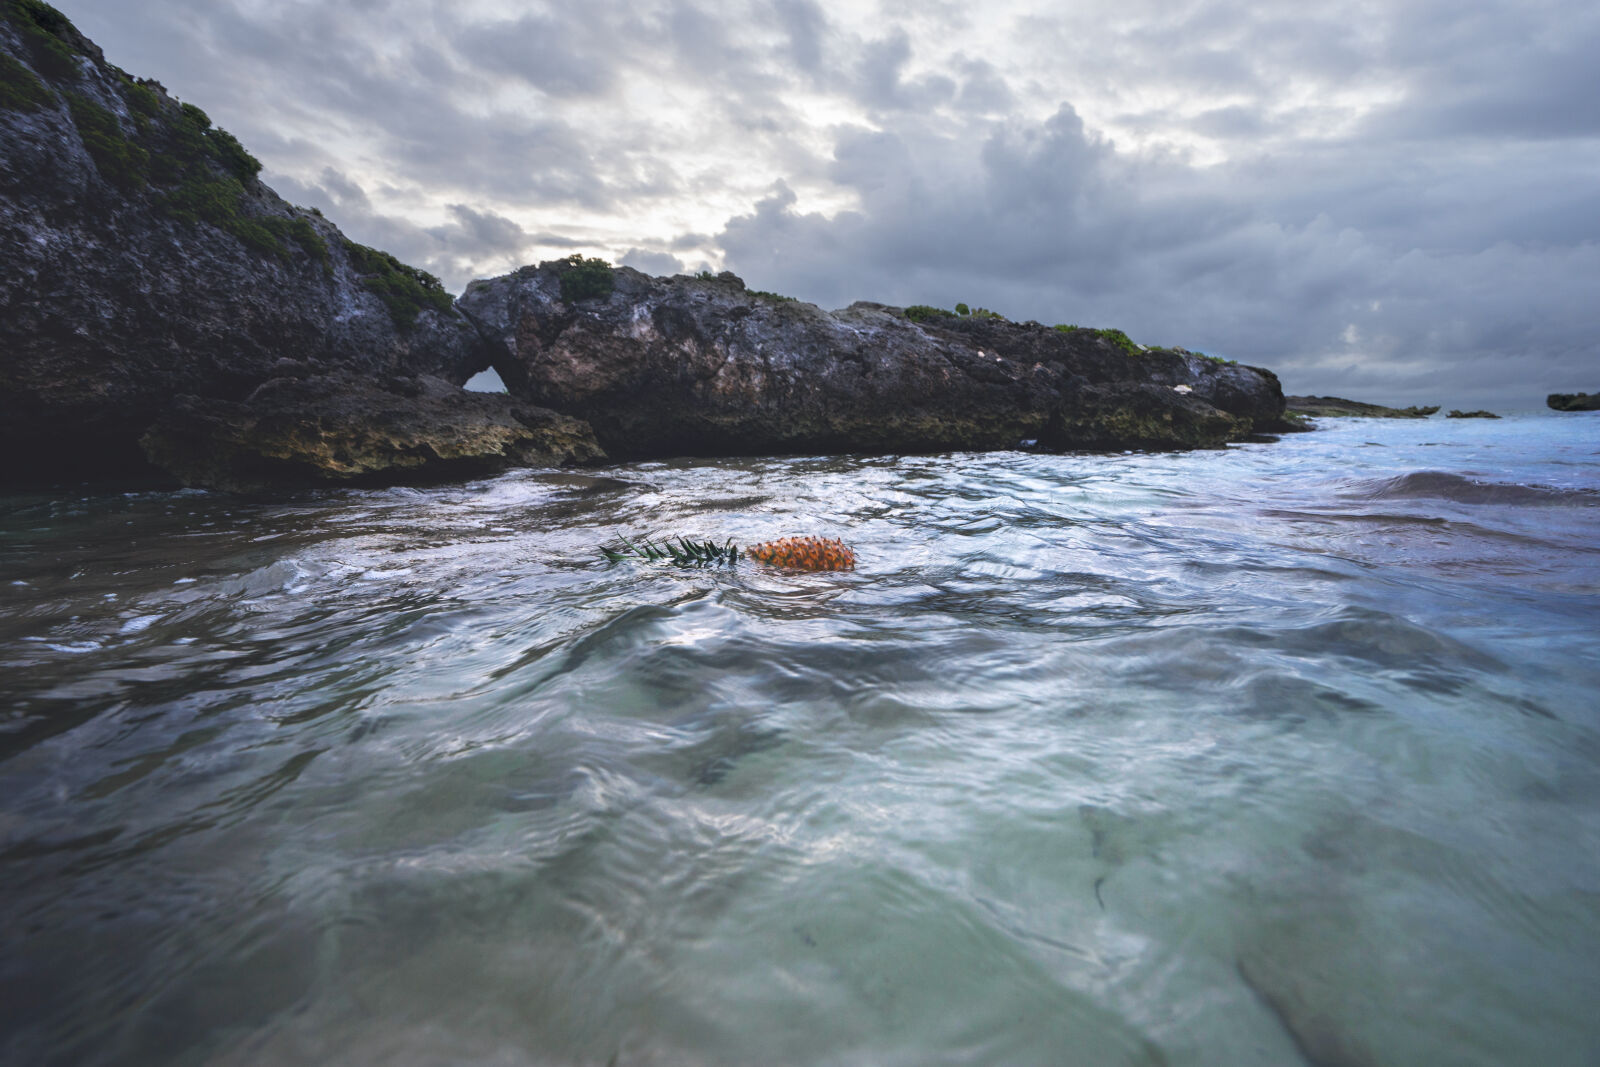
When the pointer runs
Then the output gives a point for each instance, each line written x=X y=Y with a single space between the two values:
x=1443 y=485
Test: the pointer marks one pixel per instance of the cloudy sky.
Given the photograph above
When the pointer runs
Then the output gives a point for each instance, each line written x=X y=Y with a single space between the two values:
x=1383 y=199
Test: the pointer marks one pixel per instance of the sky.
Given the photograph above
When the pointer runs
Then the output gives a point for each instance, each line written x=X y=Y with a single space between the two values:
x=1391 y=201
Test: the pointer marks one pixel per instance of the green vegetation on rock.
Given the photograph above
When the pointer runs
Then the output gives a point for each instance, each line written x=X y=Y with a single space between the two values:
x=1116 y=337
x=775 y=297
x=46 y=32
x=927 y=313
x=585 y=279
x=20 y=90
x=142 y=102
x=118 y=159
x=405 y=291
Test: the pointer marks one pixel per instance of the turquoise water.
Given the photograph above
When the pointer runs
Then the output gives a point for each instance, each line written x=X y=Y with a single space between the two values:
x=1288 y=754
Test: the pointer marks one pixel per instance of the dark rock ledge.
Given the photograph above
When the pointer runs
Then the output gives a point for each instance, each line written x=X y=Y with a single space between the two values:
x=1573 y=401
x=1338 y=407
x=352 y=431
x=704 y=366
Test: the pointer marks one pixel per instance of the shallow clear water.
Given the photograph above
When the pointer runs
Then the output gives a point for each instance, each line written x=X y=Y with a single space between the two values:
x=1285 y=754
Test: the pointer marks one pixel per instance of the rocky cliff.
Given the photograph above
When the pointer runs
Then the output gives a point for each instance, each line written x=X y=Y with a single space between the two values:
x=702 y=365
x=142 y=261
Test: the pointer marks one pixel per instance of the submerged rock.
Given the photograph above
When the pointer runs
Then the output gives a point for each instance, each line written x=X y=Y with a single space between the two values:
x=1338 y=407
x=141 y=259
x=699 y=365
x=1573 y=401
x=344 y=431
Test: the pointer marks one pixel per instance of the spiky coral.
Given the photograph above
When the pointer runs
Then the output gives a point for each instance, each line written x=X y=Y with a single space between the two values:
x=805 y=553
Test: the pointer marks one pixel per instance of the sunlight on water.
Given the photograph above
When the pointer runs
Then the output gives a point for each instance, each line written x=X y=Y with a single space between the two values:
x=1284 y=754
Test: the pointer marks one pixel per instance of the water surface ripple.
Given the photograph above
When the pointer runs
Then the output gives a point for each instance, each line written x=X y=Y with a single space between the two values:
x=1286 y=754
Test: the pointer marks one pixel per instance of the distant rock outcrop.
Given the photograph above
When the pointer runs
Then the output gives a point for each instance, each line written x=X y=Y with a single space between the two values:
x=1338 y=407
x=1453 y=414
x=1573 y=401
x=701 y=365
x=141 y=260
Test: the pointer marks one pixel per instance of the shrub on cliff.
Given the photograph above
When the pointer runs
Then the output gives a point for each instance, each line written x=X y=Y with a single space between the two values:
x=20 y=90
x=49 y=34
x=585 y=279
x=927 y=313
x=1116 y=337
x=118 y=159
x=405 y=291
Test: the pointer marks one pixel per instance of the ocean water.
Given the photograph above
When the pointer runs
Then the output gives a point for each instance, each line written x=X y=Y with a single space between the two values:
x=1284 y=754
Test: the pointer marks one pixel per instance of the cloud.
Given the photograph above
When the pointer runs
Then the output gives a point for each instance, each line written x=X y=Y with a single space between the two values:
x=656 y=263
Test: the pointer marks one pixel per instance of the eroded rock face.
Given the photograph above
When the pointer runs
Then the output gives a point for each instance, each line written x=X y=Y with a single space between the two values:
x=141 y=259
x=291 y=432
x=682 y=365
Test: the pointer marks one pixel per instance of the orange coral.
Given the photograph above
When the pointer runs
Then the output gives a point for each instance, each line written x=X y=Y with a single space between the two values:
x=805 y=553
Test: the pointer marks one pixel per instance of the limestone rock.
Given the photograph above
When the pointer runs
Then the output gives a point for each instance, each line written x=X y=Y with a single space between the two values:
x=291 y=432
x=697 y=365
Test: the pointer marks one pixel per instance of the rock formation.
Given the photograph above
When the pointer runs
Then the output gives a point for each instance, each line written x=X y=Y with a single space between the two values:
x=1573 y=401
x=142 y=260
x=701 y=365
x=1456 y=414
x=1338 y=407
x=290 y=432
